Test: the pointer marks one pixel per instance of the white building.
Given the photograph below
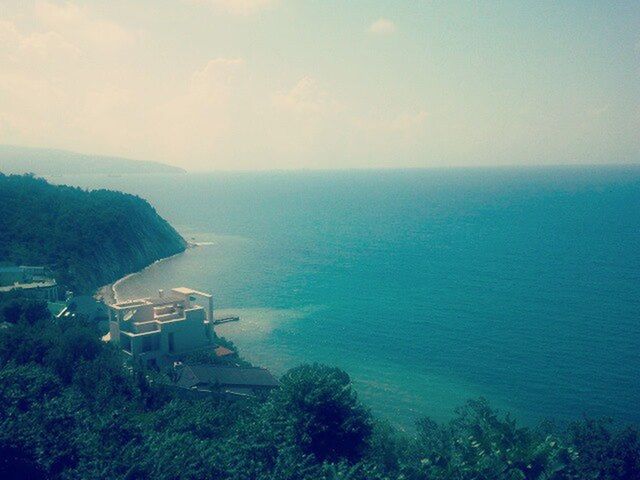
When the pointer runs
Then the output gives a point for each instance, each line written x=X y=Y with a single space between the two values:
x=151 y=330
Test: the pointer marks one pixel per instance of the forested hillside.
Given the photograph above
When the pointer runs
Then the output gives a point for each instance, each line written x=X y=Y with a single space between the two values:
x=89 y=238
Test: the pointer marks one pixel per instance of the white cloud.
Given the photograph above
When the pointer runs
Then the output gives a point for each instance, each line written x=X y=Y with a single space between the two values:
x=382 y=26
x=306 y=96
x=217 y=72
x=77 y=25
x=63 y=86
x=21 y=47
x=237 y=7
x=62 y=80
x=598 y=111
x=403 y=123
x=203 y=115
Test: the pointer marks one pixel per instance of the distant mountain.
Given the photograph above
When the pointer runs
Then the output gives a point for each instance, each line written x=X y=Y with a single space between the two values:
x=44 y=161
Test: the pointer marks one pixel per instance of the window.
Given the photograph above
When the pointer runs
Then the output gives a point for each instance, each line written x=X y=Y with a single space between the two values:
x=150 y=343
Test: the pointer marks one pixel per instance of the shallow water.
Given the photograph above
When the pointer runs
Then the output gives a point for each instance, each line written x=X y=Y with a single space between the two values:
x=428 y=287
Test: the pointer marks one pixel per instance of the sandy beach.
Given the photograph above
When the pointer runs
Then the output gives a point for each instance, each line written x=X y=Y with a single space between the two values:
x=107 y=293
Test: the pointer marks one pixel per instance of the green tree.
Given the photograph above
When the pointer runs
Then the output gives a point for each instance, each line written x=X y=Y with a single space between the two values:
x=79 y=233
x=478 y=444
x=605 y=453
x=16 y=309
x=317 y=409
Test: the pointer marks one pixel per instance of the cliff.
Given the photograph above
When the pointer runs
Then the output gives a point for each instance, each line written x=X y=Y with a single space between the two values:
x=89 y=238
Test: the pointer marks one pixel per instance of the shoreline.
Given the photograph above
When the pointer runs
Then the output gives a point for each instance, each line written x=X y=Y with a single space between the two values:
x=107 y=293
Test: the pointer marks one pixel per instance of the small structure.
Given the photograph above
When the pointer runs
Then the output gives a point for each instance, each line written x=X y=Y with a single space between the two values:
x=31 y=282
x=152 y=330
x=223 y=352
x=57 y=309
x=87 y=307
x=79 y=306
x=209 y=379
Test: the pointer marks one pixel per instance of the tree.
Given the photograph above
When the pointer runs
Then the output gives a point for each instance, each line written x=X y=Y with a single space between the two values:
x=18 y=309
x=70 y=408
x=79 y=233
x=604 y=452
x=479 y=444
x=317 y=409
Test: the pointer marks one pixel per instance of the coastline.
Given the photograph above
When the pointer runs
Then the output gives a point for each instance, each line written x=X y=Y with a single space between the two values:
x=107 y=293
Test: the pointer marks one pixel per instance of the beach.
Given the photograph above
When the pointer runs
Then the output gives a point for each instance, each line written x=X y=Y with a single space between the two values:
x=108 y=293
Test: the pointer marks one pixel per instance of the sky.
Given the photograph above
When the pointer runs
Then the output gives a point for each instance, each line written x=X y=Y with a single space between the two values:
x=324 y=84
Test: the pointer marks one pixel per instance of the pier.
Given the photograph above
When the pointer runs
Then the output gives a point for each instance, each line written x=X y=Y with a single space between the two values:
x=220 y=321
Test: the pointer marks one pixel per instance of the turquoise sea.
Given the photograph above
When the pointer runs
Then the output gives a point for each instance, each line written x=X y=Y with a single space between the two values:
x=427 y=286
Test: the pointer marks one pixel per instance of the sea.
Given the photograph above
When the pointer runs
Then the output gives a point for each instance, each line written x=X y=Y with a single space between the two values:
x=429 y=287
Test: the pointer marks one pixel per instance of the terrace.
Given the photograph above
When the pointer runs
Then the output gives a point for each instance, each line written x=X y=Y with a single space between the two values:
x=173 y=322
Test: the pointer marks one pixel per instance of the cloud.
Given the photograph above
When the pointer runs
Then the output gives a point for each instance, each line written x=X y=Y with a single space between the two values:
x=214 y=83
x=77 y=25
x=598 y=111
x=63 y=82
x=237 y=7
x=204 y=114
x=63 y=86
x=403 y=123
x=306 y=96
x=218 y=71
x=21 y=47
x=382 y=26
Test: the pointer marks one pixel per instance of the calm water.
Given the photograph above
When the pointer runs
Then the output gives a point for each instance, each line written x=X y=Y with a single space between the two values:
x=428 y=287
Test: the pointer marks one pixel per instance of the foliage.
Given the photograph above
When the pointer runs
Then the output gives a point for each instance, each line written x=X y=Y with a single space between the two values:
x=72 y=410
x=479 y=444
x=606 y=453
x=89 y=238
x=318 y=409
x=14 y=309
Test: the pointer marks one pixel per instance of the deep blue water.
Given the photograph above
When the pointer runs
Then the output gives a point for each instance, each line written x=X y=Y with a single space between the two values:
x=428 y=287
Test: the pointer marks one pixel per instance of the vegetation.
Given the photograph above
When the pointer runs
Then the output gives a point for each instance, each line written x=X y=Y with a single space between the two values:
x=89 y=238
x=72 y=410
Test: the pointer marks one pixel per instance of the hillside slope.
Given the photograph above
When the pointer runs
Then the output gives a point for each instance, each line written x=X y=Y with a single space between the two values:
x=42 y=161
x=90 y=238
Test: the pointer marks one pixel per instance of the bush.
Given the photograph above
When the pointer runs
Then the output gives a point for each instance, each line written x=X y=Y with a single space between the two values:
x=317 y=407
x=71 y=409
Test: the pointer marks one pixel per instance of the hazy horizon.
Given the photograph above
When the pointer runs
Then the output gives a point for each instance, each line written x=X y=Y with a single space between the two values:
x=276 y=84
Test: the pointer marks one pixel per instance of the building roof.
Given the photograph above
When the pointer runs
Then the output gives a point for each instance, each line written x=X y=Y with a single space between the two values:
x=189 y=291
x=212 y=375
x=56 y=308
x=10 y=269
x=223 y=352
x=166 y=299
x=87 y=306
